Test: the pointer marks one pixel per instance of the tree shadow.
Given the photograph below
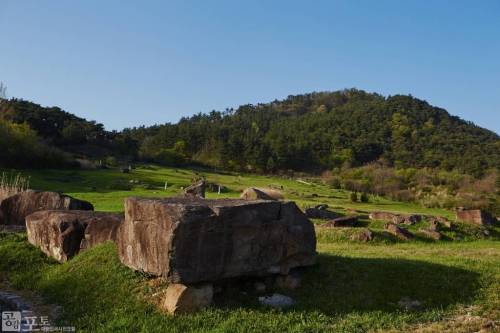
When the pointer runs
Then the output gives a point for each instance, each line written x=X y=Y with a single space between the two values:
x=340 y=285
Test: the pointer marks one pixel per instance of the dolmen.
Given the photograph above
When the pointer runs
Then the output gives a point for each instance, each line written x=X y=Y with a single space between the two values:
x=189 y=240
x=14 y=209
x=61 y=234
x=194 y=243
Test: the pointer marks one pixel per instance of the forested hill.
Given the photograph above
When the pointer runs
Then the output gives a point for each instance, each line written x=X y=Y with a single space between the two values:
x=320 y=131
x=310 y=132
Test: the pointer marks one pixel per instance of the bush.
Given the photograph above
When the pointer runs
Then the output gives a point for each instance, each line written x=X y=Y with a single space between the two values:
x=364 y=197
x=354 y=197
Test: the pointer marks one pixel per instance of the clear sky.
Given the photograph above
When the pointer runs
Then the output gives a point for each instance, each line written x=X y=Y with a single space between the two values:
x=126 y=63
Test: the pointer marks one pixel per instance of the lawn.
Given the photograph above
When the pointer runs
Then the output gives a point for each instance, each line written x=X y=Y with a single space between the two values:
x=355 y=287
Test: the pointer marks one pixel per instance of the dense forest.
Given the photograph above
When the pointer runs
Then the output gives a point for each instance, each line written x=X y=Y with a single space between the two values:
x=310 y=133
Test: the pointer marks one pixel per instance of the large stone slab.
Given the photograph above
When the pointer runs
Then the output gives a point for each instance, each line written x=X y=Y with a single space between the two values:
x=15 y=208
x=475 y=216
x=194 y=240
x=63 y=234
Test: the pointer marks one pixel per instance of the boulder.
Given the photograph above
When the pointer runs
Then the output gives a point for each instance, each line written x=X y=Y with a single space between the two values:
x=180 y=298
x=15 y=208
x=345 y=221
x=62 y=234
x=196 y=190
x=397 y=231
x=253 y=193
x=475 y=216
x=315 y=213
x=321 y=207
x=188 y=240
x=364 y=236
x=432 y=234
x=383 y=216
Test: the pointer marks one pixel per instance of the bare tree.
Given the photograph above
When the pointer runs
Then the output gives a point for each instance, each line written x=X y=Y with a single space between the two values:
x=3 y=90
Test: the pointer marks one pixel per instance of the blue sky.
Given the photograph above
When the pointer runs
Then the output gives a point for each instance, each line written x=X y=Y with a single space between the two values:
x=126 y=63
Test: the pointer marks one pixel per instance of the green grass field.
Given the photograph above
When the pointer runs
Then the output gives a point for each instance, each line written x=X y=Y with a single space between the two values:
x=355 y=287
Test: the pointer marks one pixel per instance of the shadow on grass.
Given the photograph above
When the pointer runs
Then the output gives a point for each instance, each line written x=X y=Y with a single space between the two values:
x=341 y=285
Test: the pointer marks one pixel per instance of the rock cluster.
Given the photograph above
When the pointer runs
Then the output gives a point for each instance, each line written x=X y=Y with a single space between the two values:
x=189 y=242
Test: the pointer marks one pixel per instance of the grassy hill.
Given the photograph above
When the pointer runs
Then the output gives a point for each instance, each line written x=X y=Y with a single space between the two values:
x=355 y=287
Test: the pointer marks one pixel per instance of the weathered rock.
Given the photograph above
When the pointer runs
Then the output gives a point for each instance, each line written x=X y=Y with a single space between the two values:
x=345 y=221
x=315 y=213
x=277 y=301
x=397 y=231
x=383 y=216
x=253 y=193
x=17 y=207
x=475 y=216
x=63 y=234
x=196 y=190
x=429 y=233
x=191 y=240
x=406 y=219
x=364 y=236
x=181 y=299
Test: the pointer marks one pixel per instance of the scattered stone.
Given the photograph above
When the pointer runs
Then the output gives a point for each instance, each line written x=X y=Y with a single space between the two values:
x=196 y=190
x=410 y=305
x=188 y=240
x=321 y=207
x=180 y=298
x=277 y=301
x=290 y=281
x=398 y=231
x=315 y=213
x=475 y=216
x=15 y=208
x=364 y=236
x=383 y=216
x=346 y=221
x=253 y=193
x=63 y=234
x=433 y=234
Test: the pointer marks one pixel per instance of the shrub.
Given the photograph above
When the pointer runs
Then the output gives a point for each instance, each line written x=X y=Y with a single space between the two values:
x=354 y=197
x=364 y=197
x=13 y=185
